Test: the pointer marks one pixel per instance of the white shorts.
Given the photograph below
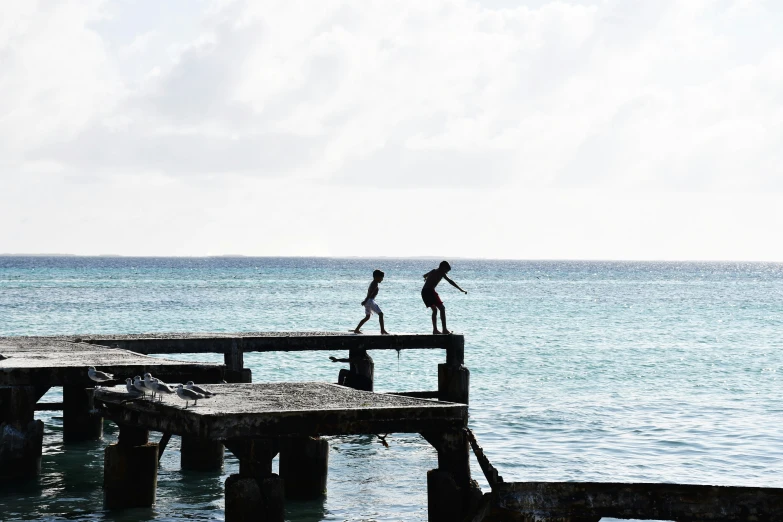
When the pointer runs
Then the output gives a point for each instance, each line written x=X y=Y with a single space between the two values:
x=371 y=306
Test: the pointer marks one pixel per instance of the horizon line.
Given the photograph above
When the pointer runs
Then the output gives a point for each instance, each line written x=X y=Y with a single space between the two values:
x=423 y=258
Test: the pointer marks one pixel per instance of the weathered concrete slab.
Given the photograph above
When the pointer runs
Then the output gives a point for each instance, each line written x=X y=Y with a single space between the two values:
x=284 y=409
x=590 y=501
x=162 y=343
x=47 y=362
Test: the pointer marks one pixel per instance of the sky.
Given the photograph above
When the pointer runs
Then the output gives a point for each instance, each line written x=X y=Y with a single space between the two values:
x=529 y=129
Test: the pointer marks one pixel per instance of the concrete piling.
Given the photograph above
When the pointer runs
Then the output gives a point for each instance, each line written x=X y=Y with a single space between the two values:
x=304 y=467
x=78 y=422
x=453 y=383
x=454 y=377
x=198 y=454
x=21 y=436
x=255 y=493
x=130 y=470
x=451 y=494
x=234 y=360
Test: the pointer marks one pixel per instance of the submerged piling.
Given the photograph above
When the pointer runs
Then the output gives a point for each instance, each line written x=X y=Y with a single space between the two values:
x=130 y=470
x=304 y=465
x=21 y=436
x=255 y=493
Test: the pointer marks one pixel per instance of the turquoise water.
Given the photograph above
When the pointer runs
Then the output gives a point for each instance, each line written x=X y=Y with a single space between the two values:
x=602 y=371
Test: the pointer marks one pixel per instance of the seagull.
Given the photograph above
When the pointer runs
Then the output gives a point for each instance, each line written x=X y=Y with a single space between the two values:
x=161 y=387
x=99 y=376
x=151 y=383
x=196 y=388
x=187 y=394
x=130 y=386
x=140 y=386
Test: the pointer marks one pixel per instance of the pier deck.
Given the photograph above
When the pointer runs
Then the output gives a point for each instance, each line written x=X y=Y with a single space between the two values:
x=43 y=362
x=298 y=409
x=224 y=342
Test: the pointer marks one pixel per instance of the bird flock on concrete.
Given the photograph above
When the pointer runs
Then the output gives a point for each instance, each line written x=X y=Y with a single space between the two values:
x=141 y=386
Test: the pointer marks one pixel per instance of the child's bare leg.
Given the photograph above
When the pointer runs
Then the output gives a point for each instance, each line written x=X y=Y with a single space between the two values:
x=435 y=320
x=383 y=330
x=361 y=323
x=443 y=318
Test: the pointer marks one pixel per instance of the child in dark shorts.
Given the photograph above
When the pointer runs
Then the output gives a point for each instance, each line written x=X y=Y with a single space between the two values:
x=432 y=299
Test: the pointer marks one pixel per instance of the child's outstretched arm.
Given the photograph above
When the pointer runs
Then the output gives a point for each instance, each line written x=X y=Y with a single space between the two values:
x=455 y=285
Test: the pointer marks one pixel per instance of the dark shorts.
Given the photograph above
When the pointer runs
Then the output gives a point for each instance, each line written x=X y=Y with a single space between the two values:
x=430 y=297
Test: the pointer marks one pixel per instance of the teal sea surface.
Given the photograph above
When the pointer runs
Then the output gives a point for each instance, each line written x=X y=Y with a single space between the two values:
x=580 y=371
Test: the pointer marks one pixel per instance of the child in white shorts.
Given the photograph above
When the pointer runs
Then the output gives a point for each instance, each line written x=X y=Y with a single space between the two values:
x=370 y=306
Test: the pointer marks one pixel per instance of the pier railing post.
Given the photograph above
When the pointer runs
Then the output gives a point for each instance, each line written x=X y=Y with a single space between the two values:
x=234 y=359
x=255 y=493
x=79 y=424
x=453 y=376
x=304 y=467
x=21 y=436
x=130 y=470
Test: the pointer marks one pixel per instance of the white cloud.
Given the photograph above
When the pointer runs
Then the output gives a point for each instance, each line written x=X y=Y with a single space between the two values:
x=290 y=102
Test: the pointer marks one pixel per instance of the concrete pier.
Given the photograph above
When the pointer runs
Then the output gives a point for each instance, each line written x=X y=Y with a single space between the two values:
x=256 y=421
x=30 y=366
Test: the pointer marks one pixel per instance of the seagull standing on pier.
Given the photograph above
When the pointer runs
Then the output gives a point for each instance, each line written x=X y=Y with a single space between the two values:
x=163 y=389
x=99 y=376
x=196 y=388
x=129 y=385
x=140 y=386
x=187 y=394
x=151 y=383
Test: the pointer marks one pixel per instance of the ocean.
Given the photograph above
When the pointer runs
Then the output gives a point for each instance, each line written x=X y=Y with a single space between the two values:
x=582 y=371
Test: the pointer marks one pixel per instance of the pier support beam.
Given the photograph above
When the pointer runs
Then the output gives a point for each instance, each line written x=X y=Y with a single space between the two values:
x=451 y=494
x=255 y=493
x=197 y=454
x=304 y=465
x=130 y=470
x=21 y=436
x=78 y=422
x=361 y=372
x=234 y=360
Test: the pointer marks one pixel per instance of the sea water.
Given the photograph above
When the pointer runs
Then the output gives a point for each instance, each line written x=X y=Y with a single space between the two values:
x=580 y=371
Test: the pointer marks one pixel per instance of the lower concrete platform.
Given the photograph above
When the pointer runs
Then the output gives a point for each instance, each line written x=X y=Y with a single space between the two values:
x=258 y=421
x=301 y=409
